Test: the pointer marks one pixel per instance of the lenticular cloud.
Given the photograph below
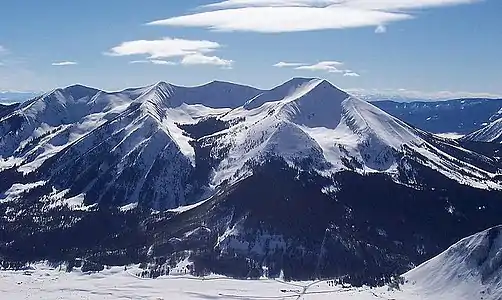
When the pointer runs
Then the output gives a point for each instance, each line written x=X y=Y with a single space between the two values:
x=274 y=16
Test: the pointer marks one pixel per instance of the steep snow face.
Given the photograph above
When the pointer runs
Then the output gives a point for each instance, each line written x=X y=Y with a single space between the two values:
x=367 y=134
x=317 y=104
x=491 y=133
x=271 y=125
x=131 y=159
x=365 y=119
x=470 y=269
x=378 y=142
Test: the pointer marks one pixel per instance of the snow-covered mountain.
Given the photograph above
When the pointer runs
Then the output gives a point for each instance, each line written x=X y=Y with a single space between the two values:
x=136 y=145
x=470 y=269
x=303 y=178
x=313 y=119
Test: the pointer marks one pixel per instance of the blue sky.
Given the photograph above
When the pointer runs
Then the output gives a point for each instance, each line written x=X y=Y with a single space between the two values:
x=390 y=46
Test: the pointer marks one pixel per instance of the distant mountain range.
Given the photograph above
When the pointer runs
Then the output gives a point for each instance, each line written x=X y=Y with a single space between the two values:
x=303 y=179
x=461 y=116
x=16 y=97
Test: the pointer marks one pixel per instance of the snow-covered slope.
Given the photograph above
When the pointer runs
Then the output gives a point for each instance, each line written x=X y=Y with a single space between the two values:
x=470 y=269
x=491 y=133
x=44 y=125
x=312 y=118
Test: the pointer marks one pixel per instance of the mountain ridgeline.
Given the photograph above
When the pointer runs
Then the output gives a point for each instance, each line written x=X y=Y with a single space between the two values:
x=303 y=180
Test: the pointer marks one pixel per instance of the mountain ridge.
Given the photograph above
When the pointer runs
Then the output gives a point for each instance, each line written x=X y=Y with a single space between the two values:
x=293 y=121
x=491 y=133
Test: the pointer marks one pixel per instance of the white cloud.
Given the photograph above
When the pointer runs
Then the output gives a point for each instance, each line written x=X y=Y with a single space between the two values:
x=287 y=64
x=140 y=62
x=64 y=63
x=284 y=19
x=162 y=62
x=191 y=52
x=327 y=66
x=164 y=48
x=154 y=62
x=201 y=59
x=323 y=66
x=3 y=50
x=381 y=29
x=272 y=16
x=351 y=74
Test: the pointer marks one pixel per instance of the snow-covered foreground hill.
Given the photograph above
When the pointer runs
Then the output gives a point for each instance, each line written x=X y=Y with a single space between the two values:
x=470 y=269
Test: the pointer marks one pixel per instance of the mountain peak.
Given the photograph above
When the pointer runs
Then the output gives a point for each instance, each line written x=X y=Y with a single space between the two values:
x=78 y=91
x=160 y=84
x=221 y=83
x=295 y=89
x=61 y=96
x=315 y=81
x=302 y=80
x=156 y=99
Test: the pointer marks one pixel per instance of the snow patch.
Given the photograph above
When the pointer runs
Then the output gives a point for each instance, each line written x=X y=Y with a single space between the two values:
x=17 y=190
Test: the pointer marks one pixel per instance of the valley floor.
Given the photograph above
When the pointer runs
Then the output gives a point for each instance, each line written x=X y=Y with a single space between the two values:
x=116 y=283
